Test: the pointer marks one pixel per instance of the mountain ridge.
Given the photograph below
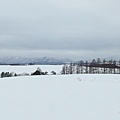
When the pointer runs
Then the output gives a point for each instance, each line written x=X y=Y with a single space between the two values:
x=36 y=60
x=44 y=60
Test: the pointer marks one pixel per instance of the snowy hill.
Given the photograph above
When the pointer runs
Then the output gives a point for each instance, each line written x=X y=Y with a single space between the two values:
x=114 y=57
x=30 y=68
x=44 y=60
x=60 y=97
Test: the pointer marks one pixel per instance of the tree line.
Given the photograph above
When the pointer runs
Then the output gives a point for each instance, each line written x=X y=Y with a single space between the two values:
x=97 y=66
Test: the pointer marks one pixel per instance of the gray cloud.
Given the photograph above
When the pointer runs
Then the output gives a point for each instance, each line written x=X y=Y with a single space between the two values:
x=77 y=28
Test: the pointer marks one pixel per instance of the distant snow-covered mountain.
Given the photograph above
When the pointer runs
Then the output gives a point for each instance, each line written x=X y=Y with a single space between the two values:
x=114 y=57
x=44 y=60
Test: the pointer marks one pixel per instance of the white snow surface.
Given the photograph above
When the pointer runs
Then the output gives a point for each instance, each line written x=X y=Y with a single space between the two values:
x=60 y=97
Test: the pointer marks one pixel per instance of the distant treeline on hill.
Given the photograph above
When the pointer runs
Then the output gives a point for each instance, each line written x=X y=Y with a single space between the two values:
x=19 y=64
x=13 y=64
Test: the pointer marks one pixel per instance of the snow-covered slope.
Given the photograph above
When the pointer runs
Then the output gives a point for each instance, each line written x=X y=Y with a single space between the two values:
x=114 y=57
x=30 y=68
x=60 y=97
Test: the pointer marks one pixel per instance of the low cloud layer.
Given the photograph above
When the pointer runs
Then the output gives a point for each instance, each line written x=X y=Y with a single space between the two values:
x=60 y=28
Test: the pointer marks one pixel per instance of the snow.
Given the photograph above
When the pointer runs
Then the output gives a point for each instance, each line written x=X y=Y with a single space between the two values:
x=30 y=68
x=60 y=97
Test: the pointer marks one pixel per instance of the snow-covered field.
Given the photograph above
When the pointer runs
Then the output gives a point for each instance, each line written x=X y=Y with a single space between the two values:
x=59 y=97
x=30 y=68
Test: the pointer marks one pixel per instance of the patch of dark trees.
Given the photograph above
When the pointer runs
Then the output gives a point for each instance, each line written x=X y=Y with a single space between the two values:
x=39 y=72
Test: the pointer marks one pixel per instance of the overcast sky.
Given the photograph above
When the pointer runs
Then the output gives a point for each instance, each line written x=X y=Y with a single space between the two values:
x=75 y=29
